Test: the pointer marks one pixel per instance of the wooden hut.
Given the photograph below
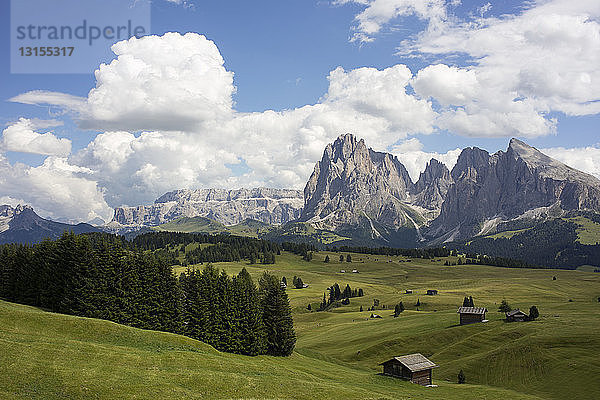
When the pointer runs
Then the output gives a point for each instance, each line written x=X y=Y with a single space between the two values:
x=432 y=292
x=414 y=367
x=516 y=316
x=471 y=315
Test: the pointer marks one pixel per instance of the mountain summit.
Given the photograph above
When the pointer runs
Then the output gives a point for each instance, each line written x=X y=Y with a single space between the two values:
x=22 y=225
x=519 y=183
x=354 y=187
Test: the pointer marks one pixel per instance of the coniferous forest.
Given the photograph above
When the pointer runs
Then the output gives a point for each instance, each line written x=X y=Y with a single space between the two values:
x=104 y=276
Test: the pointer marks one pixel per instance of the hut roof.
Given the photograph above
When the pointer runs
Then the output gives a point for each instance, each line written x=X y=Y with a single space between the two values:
x=515 y=312
x=472 y=310
x=414 y=362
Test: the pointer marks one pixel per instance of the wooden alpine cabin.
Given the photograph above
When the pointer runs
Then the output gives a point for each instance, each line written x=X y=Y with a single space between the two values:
x=516 y=316
x=414 y=367
x=471 y=315
x=432 y=292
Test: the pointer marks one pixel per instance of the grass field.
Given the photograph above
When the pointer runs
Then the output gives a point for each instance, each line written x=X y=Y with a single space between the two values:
x=48 y=355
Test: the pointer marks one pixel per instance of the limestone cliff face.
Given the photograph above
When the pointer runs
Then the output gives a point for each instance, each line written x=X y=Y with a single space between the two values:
x=508 y=185
x=430 y=190
x=272 y=206
x=353 y=185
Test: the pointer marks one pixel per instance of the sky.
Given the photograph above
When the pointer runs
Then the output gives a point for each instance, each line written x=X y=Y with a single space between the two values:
x=234 y=94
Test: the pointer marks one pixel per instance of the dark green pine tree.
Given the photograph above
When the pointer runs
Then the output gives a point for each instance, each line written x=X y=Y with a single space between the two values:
x=277 y=317
x=324 y=303
x=348 y=258
x=461 y=377
x=327 y=259
x=250 y=331
x=466 y=302
x=533 y=313
x=347 y=292
x=341 y=258
x=471 y=304
x=398 y=309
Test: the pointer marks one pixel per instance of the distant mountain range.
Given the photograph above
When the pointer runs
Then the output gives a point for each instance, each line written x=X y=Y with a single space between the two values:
x=229 y=207
x=22 y=225
x=358 y=196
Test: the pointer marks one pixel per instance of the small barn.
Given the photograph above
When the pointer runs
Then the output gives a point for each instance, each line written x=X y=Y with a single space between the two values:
x=471 y=315
x=516 y=316
x=414 y=367
x=432 y=292
x=408 y=291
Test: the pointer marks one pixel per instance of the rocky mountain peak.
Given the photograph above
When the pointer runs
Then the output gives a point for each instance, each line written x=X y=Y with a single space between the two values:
x=432 y=186
x=489 y=189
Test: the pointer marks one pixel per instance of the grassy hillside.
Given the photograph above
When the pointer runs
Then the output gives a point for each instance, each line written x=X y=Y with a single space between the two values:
x=552 y=357
x=52 y=356
x=49 y=356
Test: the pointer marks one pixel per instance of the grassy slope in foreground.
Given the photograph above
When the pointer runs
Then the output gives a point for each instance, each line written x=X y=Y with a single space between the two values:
x=555 y=357
x=53 y=356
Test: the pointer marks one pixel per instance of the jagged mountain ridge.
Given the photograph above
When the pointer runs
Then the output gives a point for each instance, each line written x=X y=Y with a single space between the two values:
x=229 y=207
x=21 y=224
x=354 y=190
x=520 y=183
x=354 y=187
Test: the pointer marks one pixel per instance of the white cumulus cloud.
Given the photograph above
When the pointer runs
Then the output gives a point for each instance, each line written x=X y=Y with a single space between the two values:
x=169 y=82
x=21 y=137
x=411 y=154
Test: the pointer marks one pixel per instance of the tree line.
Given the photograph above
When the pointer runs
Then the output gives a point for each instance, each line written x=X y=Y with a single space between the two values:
x=103 y=276
x=429 y=252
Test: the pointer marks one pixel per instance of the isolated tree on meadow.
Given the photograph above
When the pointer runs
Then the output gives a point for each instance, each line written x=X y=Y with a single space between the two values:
x=418 y=304
x=533 y=313
x=298 y=283
x=341 y=258
x=461 y=377
x=471 y=304
x=466 y=302
x=398 y=309
x=327 y=259
x=348 y=258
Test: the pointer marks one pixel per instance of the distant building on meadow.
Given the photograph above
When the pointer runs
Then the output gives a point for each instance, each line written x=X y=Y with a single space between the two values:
x=414 y=367
x=408 y=291
x=516 y=316
x=432 y=292
x=471 y=315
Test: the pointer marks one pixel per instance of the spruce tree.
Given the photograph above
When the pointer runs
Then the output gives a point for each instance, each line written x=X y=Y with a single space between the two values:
x=250 y=330
x=277 y=317
x=327 y=258
x=341 y=258
x=466 y=302
x=461 y=377
x=471 y=304
x=348 y=258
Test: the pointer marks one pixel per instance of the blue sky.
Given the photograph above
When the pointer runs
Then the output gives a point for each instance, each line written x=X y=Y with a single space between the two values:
x=439 y=81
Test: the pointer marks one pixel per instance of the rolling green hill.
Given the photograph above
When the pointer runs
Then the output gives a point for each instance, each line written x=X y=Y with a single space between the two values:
x=53 y=356
x=48 y=355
